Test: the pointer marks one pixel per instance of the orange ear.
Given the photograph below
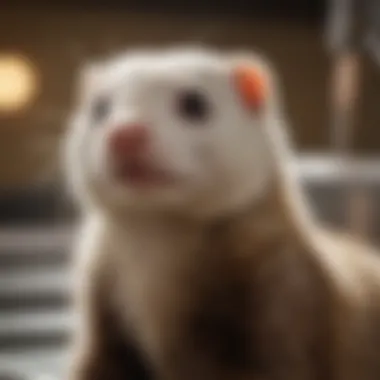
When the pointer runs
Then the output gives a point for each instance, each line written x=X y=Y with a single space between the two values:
x=251 y=85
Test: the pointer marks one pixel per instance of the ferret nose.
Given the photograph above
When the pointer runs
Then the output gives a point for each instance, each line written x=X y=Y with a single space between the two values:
x=129 y=140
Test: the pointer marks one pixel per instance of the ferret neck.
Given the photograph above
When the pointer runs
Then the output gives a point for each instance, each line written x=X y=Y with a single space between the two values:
x=262 y=223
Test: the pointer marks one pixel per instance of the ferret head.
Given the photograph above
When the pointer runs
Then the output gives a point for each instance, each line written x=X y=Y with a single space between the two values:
x=182 y=130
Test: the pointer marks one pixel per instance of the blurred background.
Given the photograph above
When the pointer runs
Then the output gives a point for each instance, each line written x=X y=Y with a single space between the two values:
x=326 y=54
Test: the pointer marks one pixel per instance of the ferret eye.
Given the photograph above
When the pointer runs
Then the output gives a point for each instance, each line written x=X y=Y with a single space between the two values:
x=100 y=109
x=193 y=106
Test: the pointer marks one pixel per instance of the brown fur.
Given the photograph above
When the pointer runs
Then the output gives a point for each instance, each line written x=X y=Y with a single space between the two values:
x=264 y=303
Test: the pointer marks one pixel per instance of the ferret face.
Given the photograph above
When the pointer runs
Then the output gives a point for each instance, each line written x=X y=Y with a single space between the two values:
x=168 y=131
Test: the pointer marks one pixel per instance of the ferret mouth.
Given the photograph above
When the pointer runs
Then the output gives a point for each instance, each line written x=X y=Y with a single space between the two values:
x=142 y=174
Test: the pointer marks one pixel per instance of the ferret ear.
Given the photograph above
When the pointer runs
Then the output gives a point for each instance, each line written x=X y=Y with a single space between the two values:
x=88 y=80
x=253 y=79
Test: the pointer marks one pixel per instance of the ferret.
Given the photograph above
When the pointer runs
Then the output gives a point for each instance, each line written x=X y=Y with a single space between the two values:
x=199 y=257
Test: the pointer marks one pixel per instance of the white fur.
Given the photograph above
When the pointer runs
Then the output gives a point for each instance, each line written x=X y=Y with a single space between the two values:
x=220 y=165
x=149 y=238
x=223 y=165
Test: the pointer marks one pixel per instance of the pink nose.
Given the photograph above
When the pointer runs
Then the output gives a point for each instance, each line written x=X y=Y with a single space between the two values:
x=129 y=140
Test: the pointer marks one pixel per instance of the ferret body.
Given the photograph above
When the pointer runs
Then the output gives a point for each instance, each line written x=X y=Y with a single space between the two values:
x=198 y=257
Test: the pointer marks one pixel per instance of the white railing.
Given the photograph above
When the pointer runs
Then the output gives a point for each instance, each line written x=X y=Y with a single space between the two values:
x=325 y=167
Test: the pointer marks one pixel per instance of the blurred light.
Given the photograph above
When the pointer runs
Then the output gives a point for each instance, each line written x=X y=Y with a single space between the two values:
x=18 y=82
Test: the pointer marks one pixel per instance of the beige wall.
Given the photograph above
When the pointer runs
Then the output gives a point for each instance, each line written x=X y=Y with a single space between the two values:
x=59 y=42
